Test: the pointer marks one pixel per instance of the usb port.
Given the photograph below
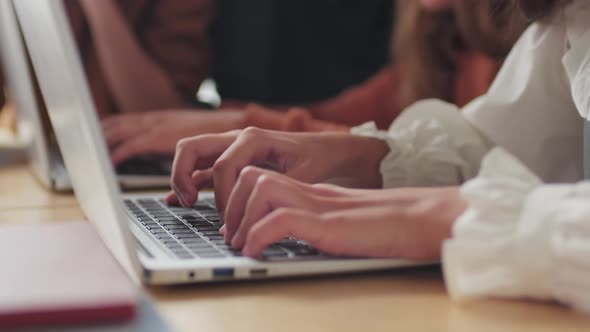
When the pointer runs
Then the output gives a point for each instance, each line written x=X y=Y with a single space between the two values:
x=258 y=272
x=223 y=273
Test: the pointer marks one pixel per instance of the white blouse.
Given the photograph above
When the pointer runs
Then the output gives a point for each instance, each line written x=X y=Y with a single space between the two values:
x=519 y=237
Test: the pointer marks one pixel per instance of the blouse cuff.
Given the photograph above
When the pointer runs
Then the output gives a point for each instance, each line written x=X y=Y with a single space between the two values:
x=430 y=144
x=519 y=238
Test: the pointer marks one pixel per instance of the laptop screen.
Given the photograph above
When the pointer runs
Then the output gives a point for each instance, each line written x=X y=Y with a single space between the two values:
x=58 y=68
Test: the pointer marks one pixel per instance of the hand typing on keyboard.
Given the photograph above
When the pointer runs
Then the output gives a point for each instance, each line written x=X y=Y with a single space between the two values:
x=266 y=207
x=261 y=207
x=309 y=157
x=189 y=233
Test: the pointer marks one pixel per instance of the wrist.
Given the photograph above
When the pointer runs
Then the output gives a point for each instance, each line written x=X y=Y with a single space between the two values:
x=372 y=153
x=362 y=161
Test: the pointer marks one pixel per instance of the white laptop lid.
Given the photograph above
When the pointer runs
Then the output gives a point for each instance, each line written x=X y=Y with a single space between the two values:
x=59 y=71
x=20 y=84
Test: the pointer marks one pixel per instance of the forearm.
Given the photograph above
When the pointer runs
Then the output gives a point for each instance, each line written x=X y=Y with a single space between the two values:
x=373 y=100
x=136 y=81
x=294 y=120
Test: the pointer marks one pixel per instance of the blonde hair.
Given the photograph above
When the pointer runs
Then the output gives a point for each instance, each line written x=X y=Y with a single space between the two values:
x=427 y=43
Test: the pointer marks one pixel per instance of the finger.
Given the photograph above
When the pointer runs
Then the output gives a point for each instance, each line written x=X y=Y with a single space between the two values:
x=203 y=178
x=332 y=190
x=366 y=232
x=200 y=178
x=222 y=230
x=259 y=192
x=117 y=127
x=109 y=122
x=280 y=224
x=271 y=192
x=250 y=191
x=119 y=133
x=238 y=200
x=250 y=148
x=138 y=145
x=189 y=153
x=114 y=120
x=172 y=199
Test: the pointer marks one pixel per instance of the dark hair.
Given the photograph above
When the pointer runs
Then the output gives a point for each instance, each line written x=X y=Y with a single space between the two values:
x=537 y=9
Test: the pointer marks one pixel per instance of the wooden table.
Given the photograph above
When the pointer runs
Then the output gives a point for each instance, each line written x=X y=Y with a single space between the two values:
x=406 y=300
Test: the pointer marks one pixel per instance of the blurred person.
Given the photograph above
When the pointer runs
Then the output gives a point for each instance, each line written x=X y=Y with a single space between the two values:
x=152 y=55
x=142 y=55
x=451 y=52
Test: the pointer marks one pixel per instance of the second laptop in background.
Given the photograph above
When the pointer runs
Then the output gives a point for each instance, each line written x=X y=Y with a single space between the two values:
x=34 y=127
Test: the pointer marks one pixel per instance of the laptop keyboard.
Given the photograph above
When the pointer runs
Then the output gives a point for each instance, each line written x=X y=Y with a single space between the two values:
x=190 y=233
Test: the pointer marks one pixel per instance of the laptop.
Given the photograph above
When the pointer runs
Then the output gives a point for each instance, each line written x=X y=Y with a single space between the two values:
x=158 y=244
x=35 y=129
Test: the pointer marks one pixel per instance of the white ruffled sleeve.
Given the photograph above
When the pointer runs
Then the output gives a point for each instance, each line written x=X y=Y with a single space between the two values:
x=431 y=144
x=520 y=238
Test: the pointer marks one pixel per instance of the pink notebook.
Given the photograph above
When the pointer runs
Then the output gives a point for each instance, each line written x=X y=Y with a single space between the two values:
x=60 y=274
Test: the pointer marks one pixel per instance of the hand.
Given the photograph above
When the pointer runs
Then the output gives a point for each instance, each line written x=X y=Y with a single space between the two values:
x=132 y=134
x=309 y=157
x=411 y=223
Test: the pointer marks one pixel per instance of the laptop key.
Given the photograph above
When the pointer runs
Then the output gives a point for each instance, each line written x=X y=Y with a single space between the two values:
x=274 y=252
x=305 y=251
x=201 y=206
x=152 y=209
x=183 y=232
x=182 y=237
x=176 y=248
x=208 y=254
x=191 y=240
x=162 y=215
x=200 y=225
x=234 y=252
x=207 y=229
x=202 y=248
x=210 y=233
x=201 y=253
x=170 y=222
x=176 y=227
x=192 y=218
x=194 y=242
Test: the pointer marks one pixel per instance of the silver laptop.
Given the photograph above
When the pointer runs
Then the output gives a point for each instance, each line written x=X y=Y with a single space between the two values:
x=157 y=243
x=46 y=161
